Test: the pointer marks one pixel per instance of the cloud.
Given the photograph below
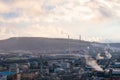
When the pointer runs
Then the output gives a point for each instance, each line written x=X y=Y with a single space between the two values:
x=9 y=15
x=4 y=7
x=80 y=15
x=31 y=31
x=57 y=10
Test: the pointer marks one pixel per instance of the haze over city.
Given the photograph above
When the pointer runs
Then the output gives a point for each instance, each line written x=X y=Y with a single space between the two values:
x=94 y=20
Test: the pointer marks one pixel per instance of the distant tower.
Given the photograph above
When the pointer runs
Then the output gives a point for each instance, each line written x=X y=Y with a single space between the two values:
x=80 y=37
x=80 y=41
x=68 y=43
x=68 y=37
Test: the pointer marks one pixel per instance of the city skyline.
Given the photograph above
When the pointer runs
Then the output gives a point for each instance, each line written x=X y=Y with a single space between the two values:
x=94 y=20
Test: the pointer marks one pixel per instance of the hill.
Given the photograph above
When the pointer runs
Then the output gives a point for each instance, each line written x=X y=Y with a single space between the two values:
x=115 y=45
x=39 y=43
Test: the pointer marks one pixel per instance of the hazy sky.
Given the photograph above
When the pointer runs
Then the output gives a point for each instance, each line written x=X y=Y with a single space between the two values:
x=95 y=20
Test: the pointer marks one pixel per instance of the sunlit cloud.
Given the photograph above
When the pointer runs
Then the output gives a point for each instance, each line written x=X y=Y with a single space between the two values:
x=52 y=15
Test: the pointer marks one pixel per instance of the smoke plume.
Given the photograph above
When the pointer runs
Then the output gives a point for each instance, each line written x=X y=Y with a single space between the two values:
x=108 y=55
x=99 y=56
x=91 y=62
